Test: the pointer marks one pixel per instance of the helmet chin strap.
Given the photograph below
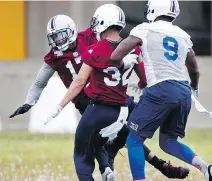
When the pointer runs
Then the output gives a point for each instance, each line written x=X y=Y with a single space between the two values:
x=98 y=37
x=74 y=47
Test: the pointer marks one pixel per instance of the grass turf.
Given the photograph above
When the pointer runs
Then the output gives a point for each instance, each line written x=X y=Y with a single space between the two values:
x=39 y=157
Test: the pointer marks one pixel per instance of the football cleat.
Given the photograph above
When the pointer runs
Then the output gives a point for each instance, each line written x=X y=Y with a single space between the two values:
x=173 y=172
x=208 y=173
x=108 y=175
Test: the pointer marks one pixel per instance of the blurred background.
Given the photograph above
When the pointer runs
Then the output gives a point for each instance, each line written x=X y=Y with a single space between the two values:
x=24 y=43
x=25 y=156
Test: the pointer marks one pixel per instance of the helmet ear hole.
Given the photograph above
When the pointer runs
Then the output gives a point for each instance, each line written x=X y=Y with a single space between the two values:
x=102 y=22
x=153 y=11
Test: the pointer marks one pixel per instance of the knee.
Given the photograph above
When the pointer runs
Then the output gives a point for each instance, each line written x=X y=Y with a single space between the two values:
x=165 y=142
x=134 y=141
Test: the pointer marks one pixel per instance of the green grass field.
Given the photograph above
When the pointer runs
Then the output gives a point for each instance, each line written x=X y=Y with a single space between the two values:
x=25 y=157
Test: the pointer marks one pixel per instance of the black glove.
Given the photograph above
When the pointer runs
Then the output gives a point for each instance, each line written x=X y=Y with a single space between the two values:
x=21 y=110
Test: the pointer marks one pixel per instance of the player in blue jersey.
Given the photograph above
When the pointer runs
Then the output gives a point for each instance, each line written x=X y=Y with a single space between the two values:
x=166 y=101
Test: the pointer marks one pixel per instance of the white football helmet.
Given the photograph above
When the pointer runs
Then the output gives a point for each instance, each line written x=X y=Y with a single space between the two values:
x=156 y=8
x=105 y=16
x=61 y=32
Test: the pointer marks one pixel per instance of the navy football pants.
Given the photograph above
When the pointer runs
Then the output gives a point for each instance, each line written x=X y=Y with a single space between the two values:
x=88 y=142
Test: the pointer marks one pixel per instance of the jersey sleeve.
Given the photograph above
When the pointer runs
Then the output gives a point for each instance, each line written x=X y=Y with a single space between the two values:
x=86 y=57
x=91 y=57
x=189 y=43
x=44 y=74
x=140 y=31
x=187 y=38
x=137 y=50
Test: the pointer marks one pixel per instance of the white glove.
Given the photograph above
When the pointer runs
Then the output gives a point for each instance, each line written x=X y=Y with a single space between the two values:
x=199 y=107
x=112 y=131
x=55 y=112
x=135 y=87
x=129 y=60
x=195 y=91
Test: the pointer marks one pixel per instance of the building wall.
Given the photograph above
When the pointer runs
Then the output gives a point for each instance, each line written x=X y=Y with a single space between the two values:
x=25 y=23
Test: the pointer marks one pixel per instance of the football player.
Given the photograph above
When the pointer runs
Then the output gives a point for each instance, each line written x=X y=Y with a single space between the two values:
x=64 y=58
x=106 y=89
x=166 y=102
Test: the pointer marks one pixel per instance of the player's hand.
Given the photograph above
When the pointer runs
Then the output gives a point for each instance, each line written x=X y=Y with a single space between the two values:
x=21 y=110
x=135 y=87
x=195 y=90
x=129 y=60
x=55 y=112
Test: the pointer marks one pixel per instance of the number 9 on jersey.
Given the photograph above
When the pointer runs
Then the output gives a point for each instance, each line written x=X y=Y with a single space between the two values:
x=170 y=44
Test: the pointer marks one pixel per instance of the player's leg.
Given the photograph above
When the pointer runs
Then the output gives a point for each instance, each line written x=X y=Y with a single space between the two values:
x=119 y=142
x=109 y=117
x=165 y=168
x=173 y=127
x=136 y=156
x=84 y=152
x=100 y=153
x=102 y=158
x=113 y=147
x=143 y=122
x=84 y=165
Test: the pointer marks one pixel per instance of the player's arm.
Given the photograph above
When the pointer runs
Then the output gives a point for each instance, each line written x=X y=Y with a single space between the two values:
x=140 y=71
x=125 y=47
x=43 y=76
x=193 y=69
x=136 y=37
x=77 y=85
x=39 y=84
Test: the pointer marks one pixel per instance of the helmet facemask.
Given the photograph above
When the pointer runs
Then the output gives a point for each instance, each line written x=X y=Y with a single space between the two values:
x=93 y=24
x=60 y=39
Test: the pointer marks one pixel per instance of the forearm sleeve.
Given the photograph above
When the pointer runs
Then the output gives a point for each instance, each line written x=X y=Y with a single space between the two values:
x=44 y=74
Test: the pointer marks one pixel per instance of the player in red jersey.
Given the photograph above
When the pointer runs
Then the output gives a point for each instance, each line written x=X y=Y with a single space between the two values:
x=64 y=58
x=107 y=90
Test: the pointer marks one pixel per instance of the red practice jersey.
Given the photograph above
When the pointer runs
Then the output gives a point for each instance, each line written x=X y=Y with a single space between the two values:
x=69 y=64
x=107 y=82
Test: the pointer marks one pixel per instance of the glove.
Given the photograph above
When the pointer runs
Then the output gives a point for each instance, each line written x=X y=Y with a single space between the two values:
x=199 y=107
x=135 y=87
x=129 y=60
x=195 y=90
x=21 y=110
x=55 y=112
